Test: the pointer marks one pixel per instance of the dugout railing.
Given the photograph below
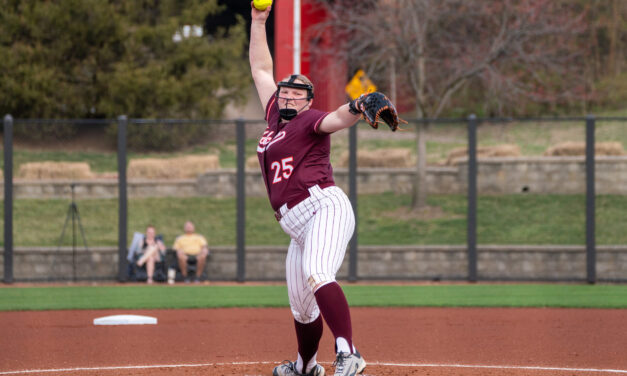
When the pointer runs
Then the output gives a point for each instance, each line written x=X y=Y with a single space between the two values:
x=472 y=122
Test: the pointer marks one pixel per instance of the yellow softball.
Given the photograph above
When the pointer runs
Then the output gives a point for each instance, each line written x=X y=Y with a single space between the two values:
x=262 y=4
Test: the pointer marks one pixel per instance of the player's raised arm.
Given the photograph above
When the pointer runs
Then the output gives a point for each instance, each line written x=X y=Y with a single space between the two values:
x=261 y=65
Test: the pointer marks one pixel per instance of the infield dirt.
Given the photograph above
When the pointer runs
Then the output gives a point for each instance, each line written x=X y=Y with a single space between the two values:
x=248 y=341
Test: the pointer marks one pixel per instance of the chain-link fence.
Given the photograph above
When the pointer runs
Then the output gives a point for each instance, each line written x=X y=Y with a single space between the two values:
x=504 y=199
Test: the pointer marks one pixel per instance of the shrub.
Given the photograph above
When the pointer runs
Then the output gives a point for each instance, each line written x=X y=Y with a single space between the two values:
x=44 y=132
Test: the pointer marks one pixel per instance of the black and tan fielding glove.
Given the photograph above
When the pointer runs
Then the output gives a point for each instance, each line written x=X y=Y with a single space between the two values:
x=375 y=107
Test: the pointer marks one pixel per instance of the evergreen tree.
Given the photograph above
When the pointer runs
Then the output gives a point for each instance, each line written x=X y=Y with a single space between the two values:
x=100 y=59
x=194 y=77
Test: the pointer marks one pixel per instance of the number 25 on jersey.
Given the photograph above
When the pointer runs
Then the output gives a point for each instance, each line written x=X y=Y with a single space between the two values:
x=282 y=170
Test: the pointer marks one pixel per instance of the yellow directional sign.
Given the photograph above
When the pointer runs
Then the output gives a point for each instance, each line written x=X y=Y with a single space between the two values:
x=359 y=84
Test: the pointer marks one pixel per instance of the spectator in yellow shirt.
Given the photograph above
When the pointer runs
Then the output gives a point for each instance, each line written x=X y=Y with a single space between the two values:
x=189 y=245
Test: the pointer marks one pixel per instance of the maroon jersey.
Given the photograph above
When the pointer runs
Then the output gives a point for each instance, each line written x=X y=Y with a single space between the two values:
x=293 y=156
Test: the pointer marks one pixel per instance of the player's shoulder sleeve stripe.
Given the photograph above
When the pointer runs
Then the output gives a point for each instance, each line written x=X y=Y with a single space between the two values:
x=319 y=121
x=269 y=107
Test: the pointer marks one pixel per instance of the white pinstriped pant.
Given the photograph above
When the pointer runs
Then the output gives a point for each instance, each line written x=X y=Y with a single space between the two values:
x=320 y=227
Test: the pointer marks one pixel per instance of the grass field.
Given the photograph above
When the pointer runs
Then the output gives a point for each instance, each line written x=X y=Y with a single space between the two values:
x=513 y=219
x=201 y=296
x=509 y=219
x=533 y=138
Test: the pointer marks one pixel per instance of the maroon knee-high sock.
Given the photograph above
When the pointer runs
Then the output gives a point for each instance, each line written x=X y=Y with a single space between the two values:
x=334 y=309
x=308 y=336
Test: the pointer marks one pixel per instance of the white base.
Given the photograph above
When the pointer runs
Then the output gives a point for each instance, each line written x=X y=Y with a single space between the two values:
x=125 y=320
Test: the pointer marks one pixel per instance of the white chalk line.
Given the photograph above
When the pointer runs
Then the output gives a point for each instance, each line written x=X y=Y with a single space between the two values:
x=532 y=368
x=416 y=365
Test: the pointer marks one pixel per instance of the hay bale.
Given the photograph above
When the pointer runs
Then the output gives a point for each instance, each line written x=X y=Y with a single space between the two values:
x=252 y=162
x=55 y=170
x=391 y=158
x=108 y=175
x=185 y=167
x=505 y=150
x=579 y=148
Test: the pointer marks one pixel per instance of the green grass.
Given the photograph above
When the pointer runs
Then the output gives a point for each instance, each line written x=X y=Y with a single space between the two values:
x=173 y=297
x=533 y=138
x=510 y=219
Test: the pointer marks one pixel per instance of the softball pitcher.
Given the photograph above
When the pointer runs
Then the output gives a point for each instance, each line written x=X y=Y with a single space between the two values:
x=294 y=158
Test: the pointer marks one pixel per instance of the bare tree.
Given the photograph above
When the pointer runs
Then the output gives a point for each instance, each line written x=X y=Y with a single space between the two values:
x=513 y=49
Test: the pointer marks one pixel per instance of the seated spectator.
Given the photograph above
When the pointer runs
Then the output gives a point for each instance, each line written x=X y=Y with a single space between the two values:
x=148 y=251
x=191 y=245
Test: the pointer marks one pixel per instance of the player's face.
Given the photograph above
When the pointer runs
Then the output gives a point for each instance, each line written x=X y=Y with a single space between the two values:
x=292 y=98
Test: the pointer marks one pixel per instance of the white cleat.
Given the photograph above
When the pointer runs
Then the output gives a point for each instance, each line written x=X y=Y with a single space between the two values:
x=349 y=364
x=289 y=369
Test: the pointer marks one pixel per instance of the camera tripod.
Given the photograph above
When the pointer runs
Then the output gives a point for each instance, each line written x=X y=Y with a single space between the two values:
x=72 y=213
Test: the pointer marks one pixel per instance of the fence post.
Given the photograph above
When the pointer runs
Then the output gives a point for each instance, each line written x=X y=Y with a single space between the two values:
x=471 y=235
x=241 y=199
x=590 y=201
x=8 y=199
x=122 y=199
x=352 y=195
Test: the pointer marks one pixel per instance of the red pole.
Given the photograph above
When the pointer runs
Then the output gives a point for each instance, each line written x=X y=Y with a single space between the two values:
x=283 y=38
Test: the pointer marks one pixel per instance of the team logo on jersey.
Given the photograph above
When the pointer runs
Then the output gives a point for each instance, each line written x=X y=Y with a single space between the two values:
x=268 y=140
